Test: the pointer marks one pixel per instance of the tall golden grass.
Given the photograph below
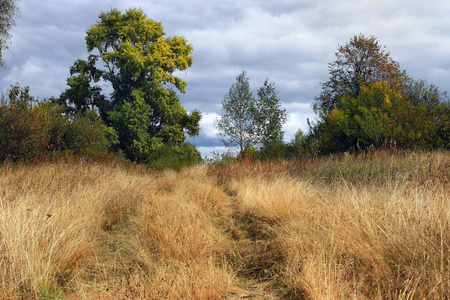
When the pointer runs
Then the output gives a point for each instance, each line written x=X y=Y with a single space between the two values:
x=342 y=227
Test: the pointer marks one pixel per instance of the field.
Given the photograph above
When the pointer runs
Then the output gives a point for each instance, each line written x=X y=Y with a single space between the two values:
x=373 y=226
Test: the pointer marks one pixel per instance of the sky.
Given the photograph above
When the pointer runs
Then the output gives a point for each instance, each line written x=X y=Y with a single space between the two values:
x=289 y=42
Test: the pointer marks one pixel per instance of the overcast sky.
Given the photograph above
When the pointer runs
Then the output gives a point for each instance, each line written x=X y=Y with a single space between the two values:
x=290 y=42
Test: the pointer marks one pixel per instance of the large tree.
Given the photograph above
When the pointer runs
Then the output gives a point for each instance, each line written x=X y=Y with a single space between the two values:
x=8 y=11
x=361 y=61
x=131 y=54
x=236 y=123
x=268 y=116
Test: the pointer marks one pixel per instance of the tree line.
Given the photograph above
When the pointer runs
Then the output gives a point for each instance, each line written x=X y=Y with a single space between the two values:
x=368 y=103
x=122 y=99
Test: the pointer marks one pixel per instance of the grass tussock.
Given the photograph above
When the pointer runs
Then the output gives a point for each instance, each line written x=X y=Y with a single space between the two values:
x=341 y=227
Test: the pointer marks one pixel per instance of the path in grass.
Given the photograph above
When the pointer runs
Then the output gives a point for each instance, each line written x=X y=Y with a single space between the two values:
x=254 y=261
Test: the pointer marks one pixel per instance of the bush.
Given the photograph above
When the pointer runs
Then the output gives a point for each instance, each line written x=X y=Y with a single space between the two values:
x=174 y=157
x=380 y=115
x=443 y=132
x=274 y=151
x=30 y=132
x=225 y=159
x=303 y=145
x=22 y=128
x=84 y=134
x=249 y=154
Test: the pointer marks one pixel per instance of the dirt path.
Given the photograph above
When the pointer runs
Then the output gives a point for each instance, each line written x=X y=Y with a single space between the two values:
x=256 y=261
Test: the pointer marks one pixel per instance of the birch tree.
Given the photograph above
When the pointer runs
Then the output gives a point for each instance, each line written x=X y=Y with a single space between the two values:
x=236 y=122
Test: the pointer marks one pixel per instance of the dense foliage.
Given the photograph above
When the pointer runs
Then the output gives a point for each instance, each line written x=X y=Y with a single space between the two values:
x=82 y=134
x=174 y=157
x=31 y=131
x=378 y=116
x=369 y=103
x=22 y=129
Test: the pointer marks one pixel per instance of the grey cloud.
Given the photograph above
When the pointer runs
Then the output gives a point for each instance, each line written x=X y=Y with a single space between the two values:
x=286 y=7
x=205 y=141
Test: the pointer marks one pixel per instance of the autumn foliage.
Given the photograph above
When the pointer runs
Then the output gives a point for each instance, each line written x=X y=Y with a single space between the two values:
x=370 y=103
x=381 y=117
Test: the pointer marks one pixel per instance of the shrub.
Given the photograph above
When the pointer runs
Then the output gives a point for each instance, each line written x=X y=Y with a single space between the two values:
x=249 y=153
x=22 y=128
x=225 y=159
x=174 y=157
x=83 y=134
x=381 y=114
x=274 y=151
x=303 y=145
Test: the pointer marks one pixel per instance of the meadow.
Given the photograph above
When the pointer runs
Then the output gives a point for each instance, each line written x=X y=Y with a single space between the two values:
x=372 y=226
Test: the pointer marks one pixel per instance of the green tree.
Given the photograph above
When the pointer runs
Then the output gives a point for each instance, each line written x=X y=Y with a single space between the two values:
x=369 y=101
x=236 y=122
x=268 y=117
x=8 y=11
x=443 y=117
x=420 y=92
x=437 y=104
x=132 y=54
x=359 y=62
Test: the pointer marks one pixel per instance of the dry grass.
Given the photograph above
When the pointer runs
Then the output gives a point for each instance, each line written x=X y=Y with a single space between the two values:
x=91 y=231
x=333 y=228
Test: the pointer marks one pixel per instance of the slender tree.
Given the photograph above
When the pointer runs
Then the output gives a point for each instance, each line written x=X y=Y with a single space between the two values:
x=268 y=116
x=236 y=123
